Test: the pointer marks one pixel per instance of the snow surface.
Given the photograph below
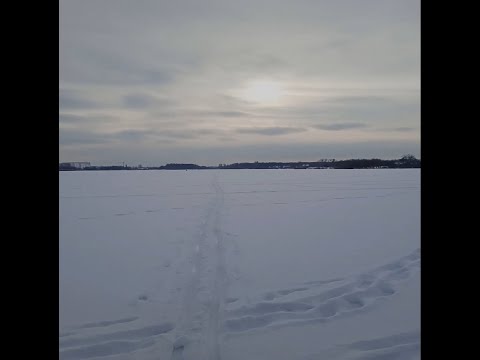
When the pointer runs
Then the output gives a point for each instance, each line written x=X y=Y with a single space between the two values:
x=240 y=264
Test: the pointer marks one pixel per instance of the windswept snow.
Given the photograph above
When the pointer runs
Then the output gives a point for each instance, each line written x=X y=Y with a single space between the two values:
x=240 y=264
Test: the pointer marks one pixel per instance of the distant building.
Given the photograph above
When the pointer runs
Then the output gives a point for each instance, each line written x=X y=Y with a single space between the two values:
x=77 y=165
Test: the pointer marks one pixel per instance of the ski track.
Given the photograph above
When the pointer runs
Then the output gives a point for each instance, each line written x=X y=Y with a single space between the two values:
x=207 y=316
x=205 y=294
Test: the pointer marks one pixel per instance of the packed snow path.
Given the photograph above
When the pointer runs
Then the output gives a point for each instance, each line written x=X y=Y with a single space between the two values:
x=199 y=324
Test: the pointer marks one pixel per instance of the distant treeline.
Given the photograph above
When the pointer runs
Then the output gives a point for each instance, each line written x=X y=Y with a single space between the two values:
x=66 y=167
x=407 y=161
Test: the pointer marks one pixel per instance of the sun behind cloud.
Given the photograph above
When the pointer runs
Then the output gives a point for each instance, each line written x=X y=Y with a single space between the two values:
x=263 y=92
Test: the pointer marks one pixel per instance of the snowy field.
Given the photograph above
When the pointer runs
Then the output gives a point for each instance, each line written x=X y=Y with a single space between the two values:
x=240 y=264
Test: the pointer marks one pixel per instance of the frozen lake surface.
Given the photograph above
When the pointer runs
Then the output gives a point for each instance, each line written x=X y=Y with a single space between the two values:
x=240 y=264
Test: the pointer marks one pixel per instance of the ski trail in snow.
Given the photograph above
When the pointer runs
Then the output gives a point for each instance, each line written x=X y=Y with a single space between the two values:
x=197 y=333
x=220 y=282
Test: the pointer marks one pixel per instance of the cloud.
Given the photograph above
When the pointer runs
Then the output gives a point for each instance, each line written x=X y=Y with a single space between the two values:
x=131 y=135
x=142 y=101
x=102 y=64
x=206 y=131
x=68 y=137
x=403 y=129
x=71 y=119
x=340 y=126
x=270 y=131
x=195 y=113
x=86 y=120
x=360 y=100
x=75 y=136
x=142 y=135
x=227 y=113
x=371 y=110
x=177 y=134
x=73 y=99
x=187 y=133
x=226 y=138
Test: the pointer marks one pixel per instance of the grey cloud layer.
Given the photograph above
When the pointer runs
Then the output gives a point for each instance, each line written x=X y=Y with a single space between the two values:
x=144 y=101
x=71 y=99
x=151 y=74
x=270 y=131
x=340 y=126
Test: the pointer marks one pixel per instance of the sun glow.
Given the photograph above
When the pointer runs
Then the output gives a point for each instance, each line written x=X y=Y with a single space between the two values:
x=263 y=92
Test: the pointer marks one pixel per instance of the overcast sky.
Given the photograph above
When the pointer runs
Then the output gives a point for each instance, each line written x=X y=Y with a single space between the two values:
x=201 y=81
